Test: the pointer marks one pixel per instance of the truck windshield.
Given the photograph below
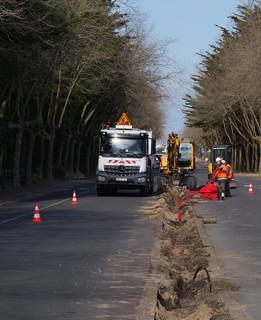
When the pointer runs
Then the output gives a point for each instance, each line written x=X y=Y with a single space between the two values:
x=123 y=147
x=185 y=154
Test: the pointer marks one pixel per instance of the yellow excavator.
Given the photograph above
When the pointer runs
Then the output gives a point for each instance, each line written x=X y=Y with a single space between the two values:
x=169 y=161
x=179 y=162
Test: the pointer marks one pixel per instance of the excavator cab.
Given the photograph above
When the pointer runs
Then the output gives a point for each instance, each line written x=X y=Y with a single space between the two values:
x=186 y=155
x=186 y=164
x=224 y=152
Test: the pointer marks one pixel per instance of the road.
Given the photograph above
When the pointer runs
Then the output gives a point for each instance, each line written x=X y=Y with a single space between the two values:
x=85 y=261
x=237 y=240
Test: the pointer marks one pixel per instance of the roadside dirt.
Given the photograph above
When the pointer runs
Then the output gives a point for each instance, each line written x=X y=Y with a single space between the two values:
x=182 y=253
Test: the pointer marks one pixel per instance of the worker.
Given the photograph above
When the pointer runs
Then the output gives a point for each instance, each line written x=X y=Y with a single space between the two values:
x=229 y=171
x=229 y=176
x=222 y=176
x=218 y=163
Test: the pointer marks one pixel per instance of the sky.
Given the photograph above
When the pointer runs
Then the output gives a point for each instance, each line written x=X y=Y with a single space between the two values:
x=192 y=24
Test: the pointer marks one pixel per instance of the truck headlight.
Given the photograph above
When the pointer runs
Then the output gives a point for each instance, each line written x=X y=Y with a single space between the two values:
x=143 y=179
x=101 y=178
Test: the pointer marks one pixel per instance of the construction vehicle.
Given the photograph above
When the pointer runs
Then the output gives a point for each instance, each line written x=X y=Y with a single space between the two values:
x=179 y=163
x=169 y=162
x=186 y=164
x=164 y=167
x=224 y=152
x=126 y=159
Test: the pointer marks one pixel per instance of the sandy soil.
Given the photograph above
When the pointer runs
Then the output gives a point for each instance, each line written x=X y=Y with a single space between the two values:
x=182 y=253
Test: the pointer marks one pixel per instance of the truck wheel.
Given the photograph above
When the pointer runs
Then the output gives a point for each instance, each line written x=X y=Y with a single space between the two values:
x=192 y=183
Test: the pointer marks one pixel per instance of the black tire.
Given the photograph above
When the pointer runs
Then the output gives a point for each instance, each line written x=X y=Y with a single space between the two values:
x=192 y=183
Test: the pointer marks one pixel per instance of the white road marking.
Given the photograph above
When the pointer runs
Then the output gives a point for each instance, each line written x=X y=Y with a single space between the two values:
x=26 y=214
x=31 y=196
x=1 y=204
x=46 y=207
x=26 y=197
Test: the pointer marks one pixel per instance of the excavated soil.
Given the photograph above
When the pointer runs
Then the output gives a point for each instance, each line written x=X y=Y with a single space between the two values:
x=182 y=253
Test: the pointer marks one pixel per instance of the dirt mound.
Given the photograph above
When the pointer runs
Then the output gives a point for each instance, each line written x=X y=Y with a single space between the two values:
x=182 y=253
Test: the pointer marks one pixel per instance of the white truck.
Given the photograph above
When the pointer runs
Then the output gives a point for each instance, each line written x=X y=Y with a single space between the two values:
x=126 y=159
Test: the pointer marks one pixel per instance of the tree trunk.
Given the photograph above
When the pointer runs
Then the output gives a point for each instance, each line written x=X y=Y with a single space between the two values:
x=40 y=173
x=66 y=157
x=30 y=158
x=60 y=154
x=247 y=167
x=71 y=158
x=234 y=162
x=50 y=155
x=259 y=167
x=256 y=157
x=78 y=154
x=240 y=159
x=1 y=162
x=252 y=158
x=16 y=168
x=88 y=159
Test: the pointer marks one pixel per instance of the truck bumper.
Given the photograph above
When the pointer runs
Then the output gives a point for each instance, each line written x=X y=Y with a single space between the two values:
x=139 y=181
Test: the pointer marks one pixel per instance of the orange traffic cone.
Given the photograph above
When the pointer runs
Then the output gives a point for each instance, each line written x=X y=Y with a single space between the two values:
x=36 y=214
x=74 y=200
x=250 y=188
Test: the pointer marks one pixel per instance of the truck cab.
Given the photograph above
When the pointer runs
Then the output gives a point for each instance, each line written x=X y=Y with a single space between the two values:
x=126 y=159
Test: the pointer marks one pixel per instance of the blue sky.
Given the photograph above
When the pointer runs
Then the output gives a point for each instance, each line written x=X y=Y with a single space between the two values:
x=192 y=24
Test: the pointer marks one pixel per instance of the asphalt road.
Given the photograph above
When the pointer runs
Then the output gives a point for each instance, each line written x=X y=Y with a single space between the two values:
x=237 y=240
x=85 y=261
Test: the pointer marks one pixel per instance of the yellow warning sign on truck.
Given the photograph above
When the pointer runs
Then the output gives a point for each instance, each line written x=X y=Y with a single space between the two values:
x=124 y=121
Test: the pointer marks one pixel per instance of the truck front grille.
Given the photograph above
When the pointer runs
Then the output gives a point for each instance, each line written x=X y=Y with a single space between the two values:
x=122 y=171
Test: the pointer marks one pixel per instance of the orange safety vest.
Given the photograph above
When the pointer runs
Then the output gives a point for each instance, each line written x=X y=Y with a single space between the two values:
x=222 y=173
x=230 y=175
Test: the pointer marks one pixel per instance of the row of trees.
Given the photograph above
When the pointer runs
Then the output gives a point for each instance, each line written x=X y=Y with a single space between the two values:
x=67 y=67
x=226 y=105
